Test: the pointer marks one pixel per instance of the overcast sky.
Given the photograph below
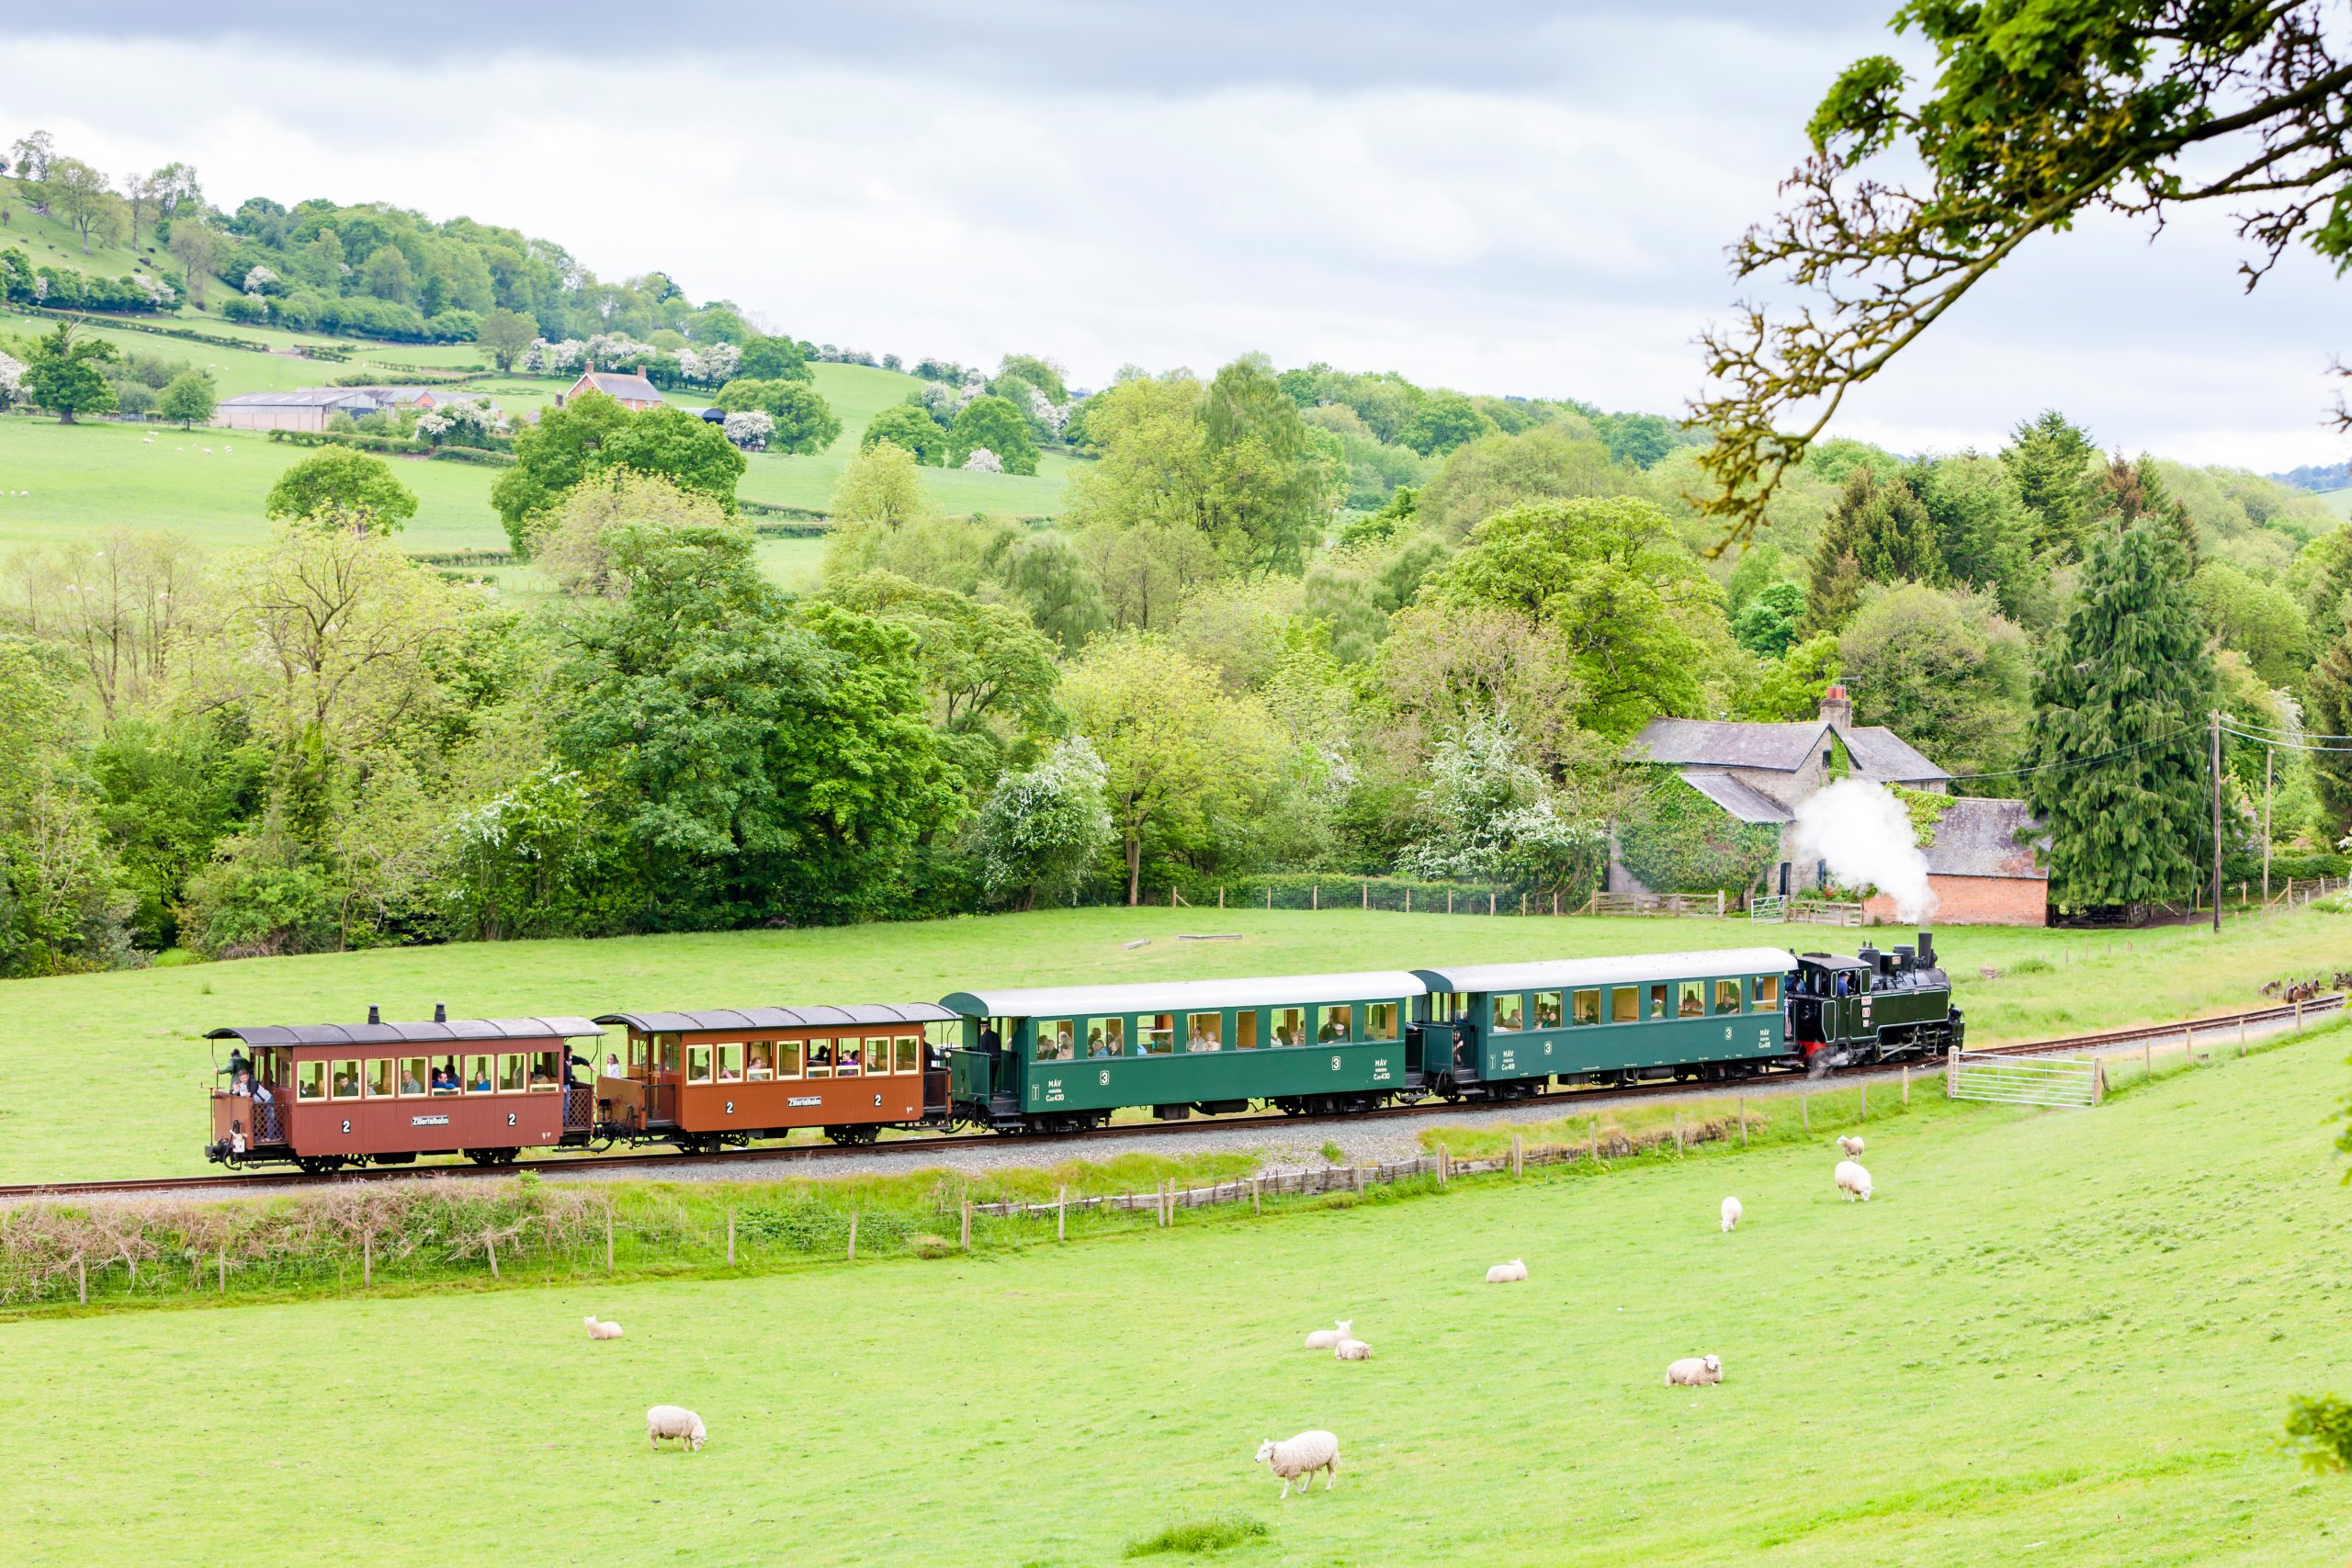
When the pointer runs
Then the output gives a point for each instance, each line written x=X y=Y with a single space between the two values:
x=1505 y=199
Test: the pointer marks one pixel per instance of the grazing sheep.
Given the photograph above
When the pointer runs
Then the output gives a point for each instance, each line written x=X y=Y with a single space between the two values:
x=1325 y=1339
x=602 y=1330
x=674 y=1421
x=1850 y=1146
x=1351 y=1350
x=1853 y=1181
x=1732 y=1213
x=1695 y=1371
x=1302 y=1455
x=1506 y=1273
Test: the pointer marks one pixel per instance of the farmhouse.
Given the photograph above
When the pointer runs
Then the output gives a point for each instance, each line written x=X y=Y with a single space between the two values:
x=631 y=391
x=304 y=408
x=1980 y=863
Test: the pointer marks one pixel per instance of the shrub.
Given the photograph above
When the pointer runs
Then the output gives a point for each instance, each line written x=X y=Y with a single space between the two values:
x=1200 y=1536
x=2321 y=1430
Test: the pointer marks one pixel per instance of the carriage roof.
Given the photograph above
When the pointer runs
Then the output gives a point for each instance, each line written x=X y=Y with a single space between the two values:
x=1182 y=996
x=1565 y=974
x=451 y=1032
x=733 y=1019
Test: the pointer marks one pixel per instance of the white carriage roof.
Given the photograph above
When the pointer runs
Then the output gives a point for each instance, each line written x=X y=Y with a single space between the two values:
x=1178 y=996
x=737 y=1019
x=451 y=1032
x=1563 y=974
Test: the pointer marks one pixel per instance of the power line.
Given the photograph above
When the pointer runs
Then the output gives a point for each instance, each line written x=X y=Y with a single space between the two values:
x=2287 y=745
x=2078 y=761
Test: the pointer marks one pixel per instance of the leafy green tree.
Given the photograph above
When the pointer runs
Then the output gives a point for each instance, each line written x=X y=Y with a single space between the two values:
x=1044 y=574
x=684 y=448
x=804 y=423
x=1490 y=816
x=911 y=430
x=1182 y=760
x=592 y=433
x=187 y=399
x=1443 y=421
x=197 y=246
x=504 y=334
x=994 y=424
x=2320 y=1429
x=321 y=261
x=2040 y=114
x=62 y=898
x=880 y=486
x=772 y=359
x=1636 y=612
x=2259 y=619
x=1768 y=625
x=79 y=194
x=1038 y=372
x=1943 y=670
x=1547 y=463
x=63 y=375
x=341 y=486
x=1642 y=440
x=1880 y=528
x=1984 y=533
x=1043 y=831
x=387 y=275
x=2329 y=711
x=2117 y=733
x=2128 y=491
x=1787 y=689
x=173 y=791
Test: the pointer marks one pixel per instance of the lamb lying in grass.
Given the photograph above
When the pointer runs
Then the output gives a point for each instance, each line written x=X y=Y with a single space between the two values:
x=674 y=1421
x=602 y=1330
x=1506 y=1273
x=1325 y=1339
x=1695 y=1371
x=1351 y=1350
x=1301 y=1455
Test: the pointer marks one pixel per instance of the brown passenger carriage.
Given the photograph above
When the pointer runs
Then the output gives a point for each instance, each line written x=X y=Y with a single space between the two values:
x=323 y=1096
x=706 y=1079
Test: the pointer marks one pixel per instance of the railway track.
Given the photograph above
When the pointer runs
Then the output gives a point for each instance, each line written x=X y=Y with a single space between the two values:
x=925 y=1145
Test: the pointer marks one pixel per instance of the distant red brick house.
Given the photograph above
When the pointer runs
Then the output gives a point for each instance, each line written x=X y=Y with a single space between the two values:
x=1981 y=865
x=631 y=391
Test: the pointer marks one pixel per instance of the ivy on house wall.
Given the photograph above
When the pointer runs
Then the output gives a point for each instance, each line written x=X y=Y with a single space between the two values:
x=1678 y=840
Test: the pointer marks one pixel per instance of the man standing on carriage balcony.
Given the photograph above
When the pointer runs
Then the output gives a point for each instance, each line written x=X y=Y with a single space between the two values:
x=238 y=1064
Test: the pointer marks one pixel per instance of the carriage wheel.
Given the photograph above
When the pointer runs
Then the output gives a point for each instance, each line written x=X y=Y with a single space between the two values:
x=483 y=1156
x=320 y=1165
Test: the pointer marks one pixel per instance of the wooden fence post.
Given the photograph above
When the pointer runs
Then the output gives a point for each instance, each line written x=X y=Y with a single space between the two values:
x=2299 y=1015
x=1594 y=1132
x=1359 y=1170
x=367 y=1259
x=1444 y=1167
x=2188 y=1044
x=2099 y=1081
x=852 y=1236
x=1220 y=896
x=1270 y=898
x=490 y=1250
x=80 y=1279
x=1490 y=901
x=2147 y=1058
x=2241 y=1035
x=1314 y=895
x=1061 y=1214
x=1678 y=1133
x=1449 y=900
x=967 y=1241
x=220 y=1262
x=1518 y=1158
x=731 y=1238
x=1255 y=1183
x=608 y=1237
x=1906 y=1083
x=1367 y=892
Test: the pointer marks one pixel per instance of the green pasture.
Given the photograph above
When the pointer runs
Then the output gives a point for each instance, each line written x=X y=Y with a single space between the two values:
x=2065 y=1337
x=2338 y=501
x=132 y=1101
x=51 y=241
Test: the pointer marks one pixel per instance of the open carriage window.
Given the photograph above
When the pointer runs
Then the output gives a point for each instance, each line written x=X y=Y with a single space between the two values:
x=310 y=1080
x=1158 y=1031
x=510 y=1073
x=1727 y=995
x=667 y=1045
x=1107 y=1037
x=1625 y=1004
x=820 y=1059
x=1509 y=1012
x=547 y=1071
x=1587 y=1007
x=1056 y=1039
x=697 y=1064
x=787 y=1058
x=1768 y=991
x=380 y=1081
x=1333 y=1025
x=1694 y=999
x=477 y=1076
x=1204 y=1031
x=759 y=1061
x=1658 y=1001
x=730 y=1062
x=344 y=1080
x=1547 y=1010
x=1290 y=1026
x=907 y=1053
x=414 y=1075
x=1380 y=1021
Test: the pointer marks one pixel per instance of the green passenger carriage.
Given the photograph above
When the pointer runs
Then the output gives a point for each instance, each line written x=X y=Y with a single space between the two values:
x=1501 y=1030
x=1064 y=1058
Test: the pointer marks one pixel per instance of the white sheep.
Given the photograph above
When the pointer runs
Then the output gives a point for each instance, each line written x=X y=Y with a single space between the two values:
x=1732 y=1213
x=602 y=1330
x=1506 y=1273
x=1351 y=1350
x=1849 y=1147
x=1302 y=1455
x=1695 y=1371
x=1853 y=1181
x=674 y=1421
x=1325 y=1339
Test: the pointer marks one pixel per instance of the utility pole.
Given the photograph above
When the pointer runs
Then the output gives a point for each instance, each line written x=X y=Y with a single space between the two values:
x=2269 y=755
x=2216 y=822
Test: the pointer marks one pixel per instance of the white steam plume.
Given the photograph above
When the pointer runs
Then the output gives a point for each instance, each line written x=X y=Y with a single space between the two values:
x=1864 y=835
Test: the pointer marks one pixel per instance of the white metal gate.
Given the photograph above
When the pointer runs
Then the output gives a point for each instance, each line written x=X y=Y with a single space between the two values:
x=2022 y=1080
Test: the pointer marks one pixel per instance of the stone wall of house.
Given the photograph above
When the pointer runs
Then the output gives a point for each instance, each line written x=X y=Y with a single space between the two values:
x=1975 y=901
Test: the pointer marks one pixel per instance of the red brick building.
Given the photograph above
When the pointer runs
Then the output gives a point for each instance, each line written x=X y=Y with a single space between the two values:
x=629 y=390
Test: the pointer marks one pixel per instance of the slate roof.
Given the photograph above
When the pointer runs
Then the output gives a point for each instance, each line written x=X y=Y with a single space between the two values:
x=630 y=387
x=1745 y=804
x=1980 y=838
x=302 y=397
x=1878 y=752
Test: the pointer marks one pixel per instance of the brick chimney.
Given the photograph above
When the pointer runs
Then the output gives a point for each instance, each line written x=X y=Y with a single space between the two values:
x=1837 y=707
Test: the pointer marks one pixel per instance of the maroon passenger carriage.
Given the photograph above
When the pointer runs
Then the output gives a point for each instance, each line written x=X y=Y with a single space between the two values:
x=324 y=1096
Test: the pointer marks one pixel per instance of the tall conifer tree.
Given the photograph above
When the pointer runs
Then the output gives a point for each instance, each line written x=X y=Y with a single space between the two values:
x=1878 y=532
x=2329 y=711
x=2129 y=673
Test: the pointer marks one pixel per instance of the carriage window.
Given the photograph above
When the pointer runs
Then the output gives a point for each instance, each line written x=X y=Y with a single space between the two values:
x=448 y=1079
x=640 y=1054
x=381 y=1080
x=1508 y=1013
x=1445 y=1006
x=1290 y=1026
x=1727 y=995
x=1694 y=999
x=478 y=1079
x=1157 y=1034
x=1547 y=1010
x=310 y=1080
x=1768 y=991
x=1245 y=1030
x=413 y=1075
x=343 y=1080
x=669 y=1047
x=1107 y=1037
x=758 y=1061
x=1658 y=1001
x=699 y=1064
x=547 y=1071
x=1206 y=1032
x=1625 y=1004
x=849 y=1058
x=787 y=1058
x=877 y=1054
x=820 y=1059
x=511 y=1079
x=1056 y=1039
x=730 y=1062
x=907 y=1053
x=1334 y=1025
x=1587 y=1007
x=1380 y=1021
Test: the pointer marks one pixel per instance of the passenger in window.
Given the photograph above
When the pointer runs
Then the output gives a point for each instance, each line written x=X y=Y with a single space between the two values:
x=243 y=1086
x=408 y=1080
x=851 y=1062
x=611 y=1064
x=1094 y=1044
x=1335 y=1028
x=481 y=1078
x=759 y=1067
x=347 y=1082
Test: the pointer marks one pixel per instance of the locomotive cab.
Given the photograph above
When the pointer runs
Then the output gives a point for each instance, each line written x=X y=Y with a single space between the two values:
x=1878 y=1006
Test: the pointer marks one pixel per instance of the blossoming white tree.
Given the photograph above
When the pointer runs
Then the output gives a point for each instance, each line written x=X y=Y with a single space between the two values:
x=749 y=429
x=258 y=279
x=12 y=380
x=983 y=461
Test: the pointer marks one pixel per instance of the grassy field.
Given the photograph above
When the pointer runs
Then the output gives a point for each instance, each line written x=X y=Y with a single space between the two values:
x=2339 y=500
x=2060 y=1337
x=137 y=1034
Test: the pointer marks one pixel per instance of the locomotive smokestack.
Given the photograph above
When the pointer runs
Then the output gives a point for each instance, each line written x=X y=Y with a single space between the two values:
x=375 y=1015
x=440 y=1012
x=1927 y=949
